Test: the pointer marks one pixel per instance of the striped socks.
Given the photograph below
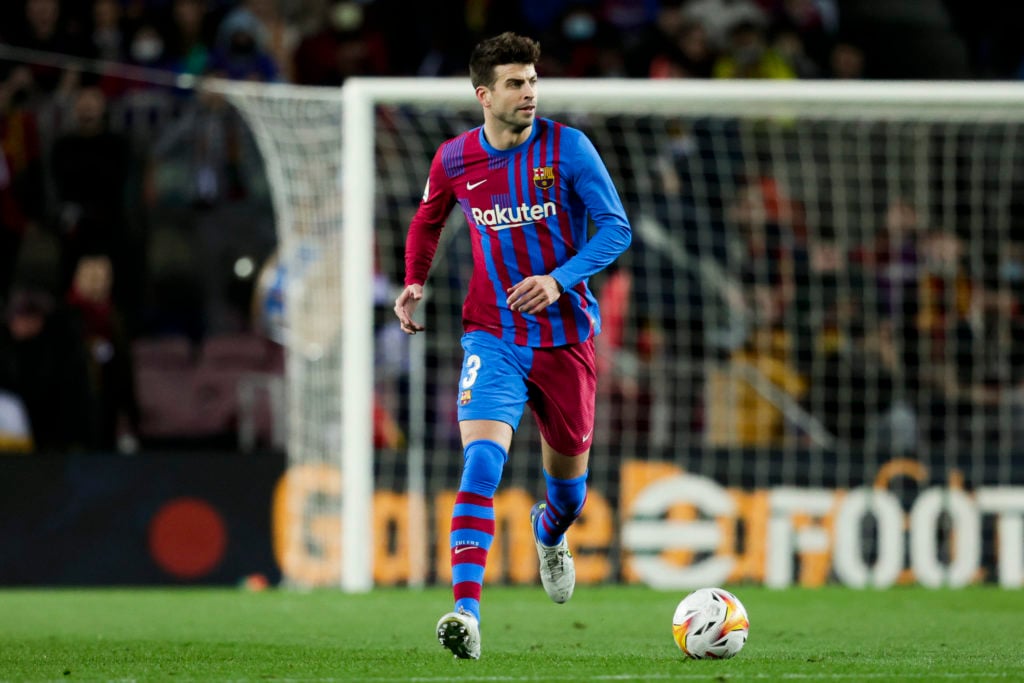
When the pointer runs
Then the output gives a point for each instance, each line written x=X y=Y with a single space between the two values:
x=565 y=501
x=472 y=530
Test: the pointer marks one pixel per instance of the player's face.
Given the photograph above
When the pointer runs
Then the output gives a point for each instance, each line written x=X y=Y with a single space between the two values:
x=513 y=98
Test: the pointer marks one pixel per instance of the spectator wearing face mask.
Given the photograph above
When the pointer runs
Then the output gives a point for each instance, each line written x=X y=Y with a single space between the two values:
x=143 y=45
x=147 y=47
x=582 y=46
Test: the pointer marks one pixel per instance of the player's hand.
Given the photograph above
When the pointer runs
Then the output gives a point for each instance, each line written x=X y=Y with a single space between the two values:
x=533 y=294
x=405 y=306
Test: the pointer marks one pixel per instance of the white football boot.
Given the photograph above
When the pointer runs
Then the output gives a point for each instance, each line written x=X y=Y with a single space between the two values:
x=460 y=633
x=557 y=568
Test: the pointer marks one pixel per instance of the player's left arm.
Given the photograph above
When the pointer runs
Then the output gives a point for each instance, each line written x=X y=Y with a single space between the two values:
x=594 y=185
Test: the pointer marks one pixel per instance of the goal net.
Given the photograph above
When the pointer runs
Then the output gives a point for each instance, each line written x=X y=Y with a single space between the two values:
x=811 y=363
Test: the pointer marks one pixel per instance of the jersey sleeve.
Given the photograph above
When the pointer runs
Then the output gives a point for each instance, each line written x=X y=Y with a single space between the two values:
x=425 y=228
x=594 y=186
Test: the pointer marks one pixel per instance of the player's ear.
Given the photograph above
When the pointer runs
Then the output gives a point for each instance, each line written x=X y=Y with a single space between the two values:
x=483 y=95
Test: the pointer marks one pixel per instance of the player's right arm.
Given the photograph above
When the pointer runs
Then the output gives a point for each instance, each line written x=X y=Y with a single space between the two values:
x=405 y=306
x=421 y=241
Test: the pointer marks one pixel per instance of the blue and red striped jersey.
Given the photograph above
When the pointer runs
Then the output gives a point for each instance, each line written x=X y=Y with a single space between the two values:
x=527 y=208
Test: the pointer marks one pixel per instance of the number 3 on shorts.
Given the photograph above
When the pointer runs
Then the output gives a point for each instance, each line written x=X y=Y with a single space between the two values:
x=469 y=372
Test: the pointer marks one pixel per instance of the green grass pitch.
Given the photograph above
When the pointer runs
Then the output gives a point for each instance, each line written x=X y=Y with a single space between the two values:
x=604 y=634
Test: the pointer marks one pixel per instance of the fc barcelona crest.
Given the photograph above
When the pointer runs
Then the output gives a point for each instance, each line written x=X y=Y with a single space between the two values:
x=544 y=177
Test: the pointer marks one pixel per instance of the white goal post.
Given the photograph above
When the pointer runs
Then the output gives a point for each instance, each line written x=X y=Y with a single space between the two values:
x=815 y=134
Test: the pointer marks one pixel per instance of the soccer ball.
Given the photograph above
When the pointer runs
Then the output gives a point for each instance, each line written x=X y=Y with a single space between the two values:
x=710 y=623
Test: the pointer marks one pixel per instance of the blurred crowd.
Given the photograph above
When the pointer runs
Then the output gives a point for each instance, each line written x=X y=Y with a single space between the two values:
x=321 y=42
x=79 y=285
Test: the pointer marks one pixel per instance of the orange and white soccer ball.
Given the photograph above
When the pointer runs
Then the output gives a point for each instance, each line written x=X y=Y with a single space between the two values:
x=710 y=623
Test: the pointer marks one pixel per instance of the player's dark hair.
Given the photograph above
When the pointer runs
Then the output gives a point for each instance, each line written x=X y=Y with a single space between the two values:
x=507 y=48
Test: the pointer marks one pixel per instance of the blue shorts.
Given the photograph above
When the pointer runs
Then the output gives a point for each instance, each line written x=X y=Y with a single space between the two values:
x=559 y=384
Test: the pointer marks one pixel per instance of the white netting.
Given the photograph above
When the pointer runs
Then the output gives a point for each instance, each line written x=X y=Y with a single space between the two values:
x=300 y=140
x=821 y=281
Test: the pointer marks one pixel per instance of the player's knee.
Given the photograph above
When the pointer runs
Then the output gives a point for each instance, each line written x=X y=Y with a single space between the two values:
x=484 y=462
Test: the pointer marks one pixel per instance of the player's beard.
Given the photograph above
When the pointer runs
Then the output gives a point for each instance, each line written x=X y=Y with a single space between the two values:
x=517 y=120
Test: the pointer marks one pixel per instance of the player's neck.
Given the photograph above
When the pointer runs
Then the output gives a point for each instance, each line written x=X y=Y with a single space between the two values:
x=501 y=136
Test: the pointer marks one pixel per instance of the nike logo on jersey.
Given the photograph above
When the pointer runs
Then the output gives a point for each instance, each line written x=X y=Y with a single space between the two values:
x=470 y=186
x=459 y=548
x=586 y=437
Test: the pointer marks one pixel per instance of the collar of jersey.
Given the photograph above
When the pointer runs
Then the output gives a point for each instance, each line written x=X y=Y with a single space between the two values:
x=511 y=150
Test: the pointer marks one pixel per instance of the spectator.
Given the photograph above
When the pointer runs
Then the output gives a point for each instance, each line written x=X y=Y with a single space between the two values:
x=1011 y=262
x=541 y=16
x=108 y=36
x=92 y=167
x=46 y=29
x=751 y=395
x=187 y=49
x=846 y=61
x=748 y=55
x=894 y=257
x=720 y=17
x=21 y=172
x=111 y=366
x=144 y=46
x=656 y=39
x=269 y=33
x=241 y=52
x=770 y=223
x=630 y=354
x=630 y=17
x=688 y=56
x=856 y=373
x=43 y=362
x=788 y=44
x=975 y=375
x=583 y=46
x=342 y=47
x=827 y=292
x=943 y=287
x=810 y=23
x=148 y=47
